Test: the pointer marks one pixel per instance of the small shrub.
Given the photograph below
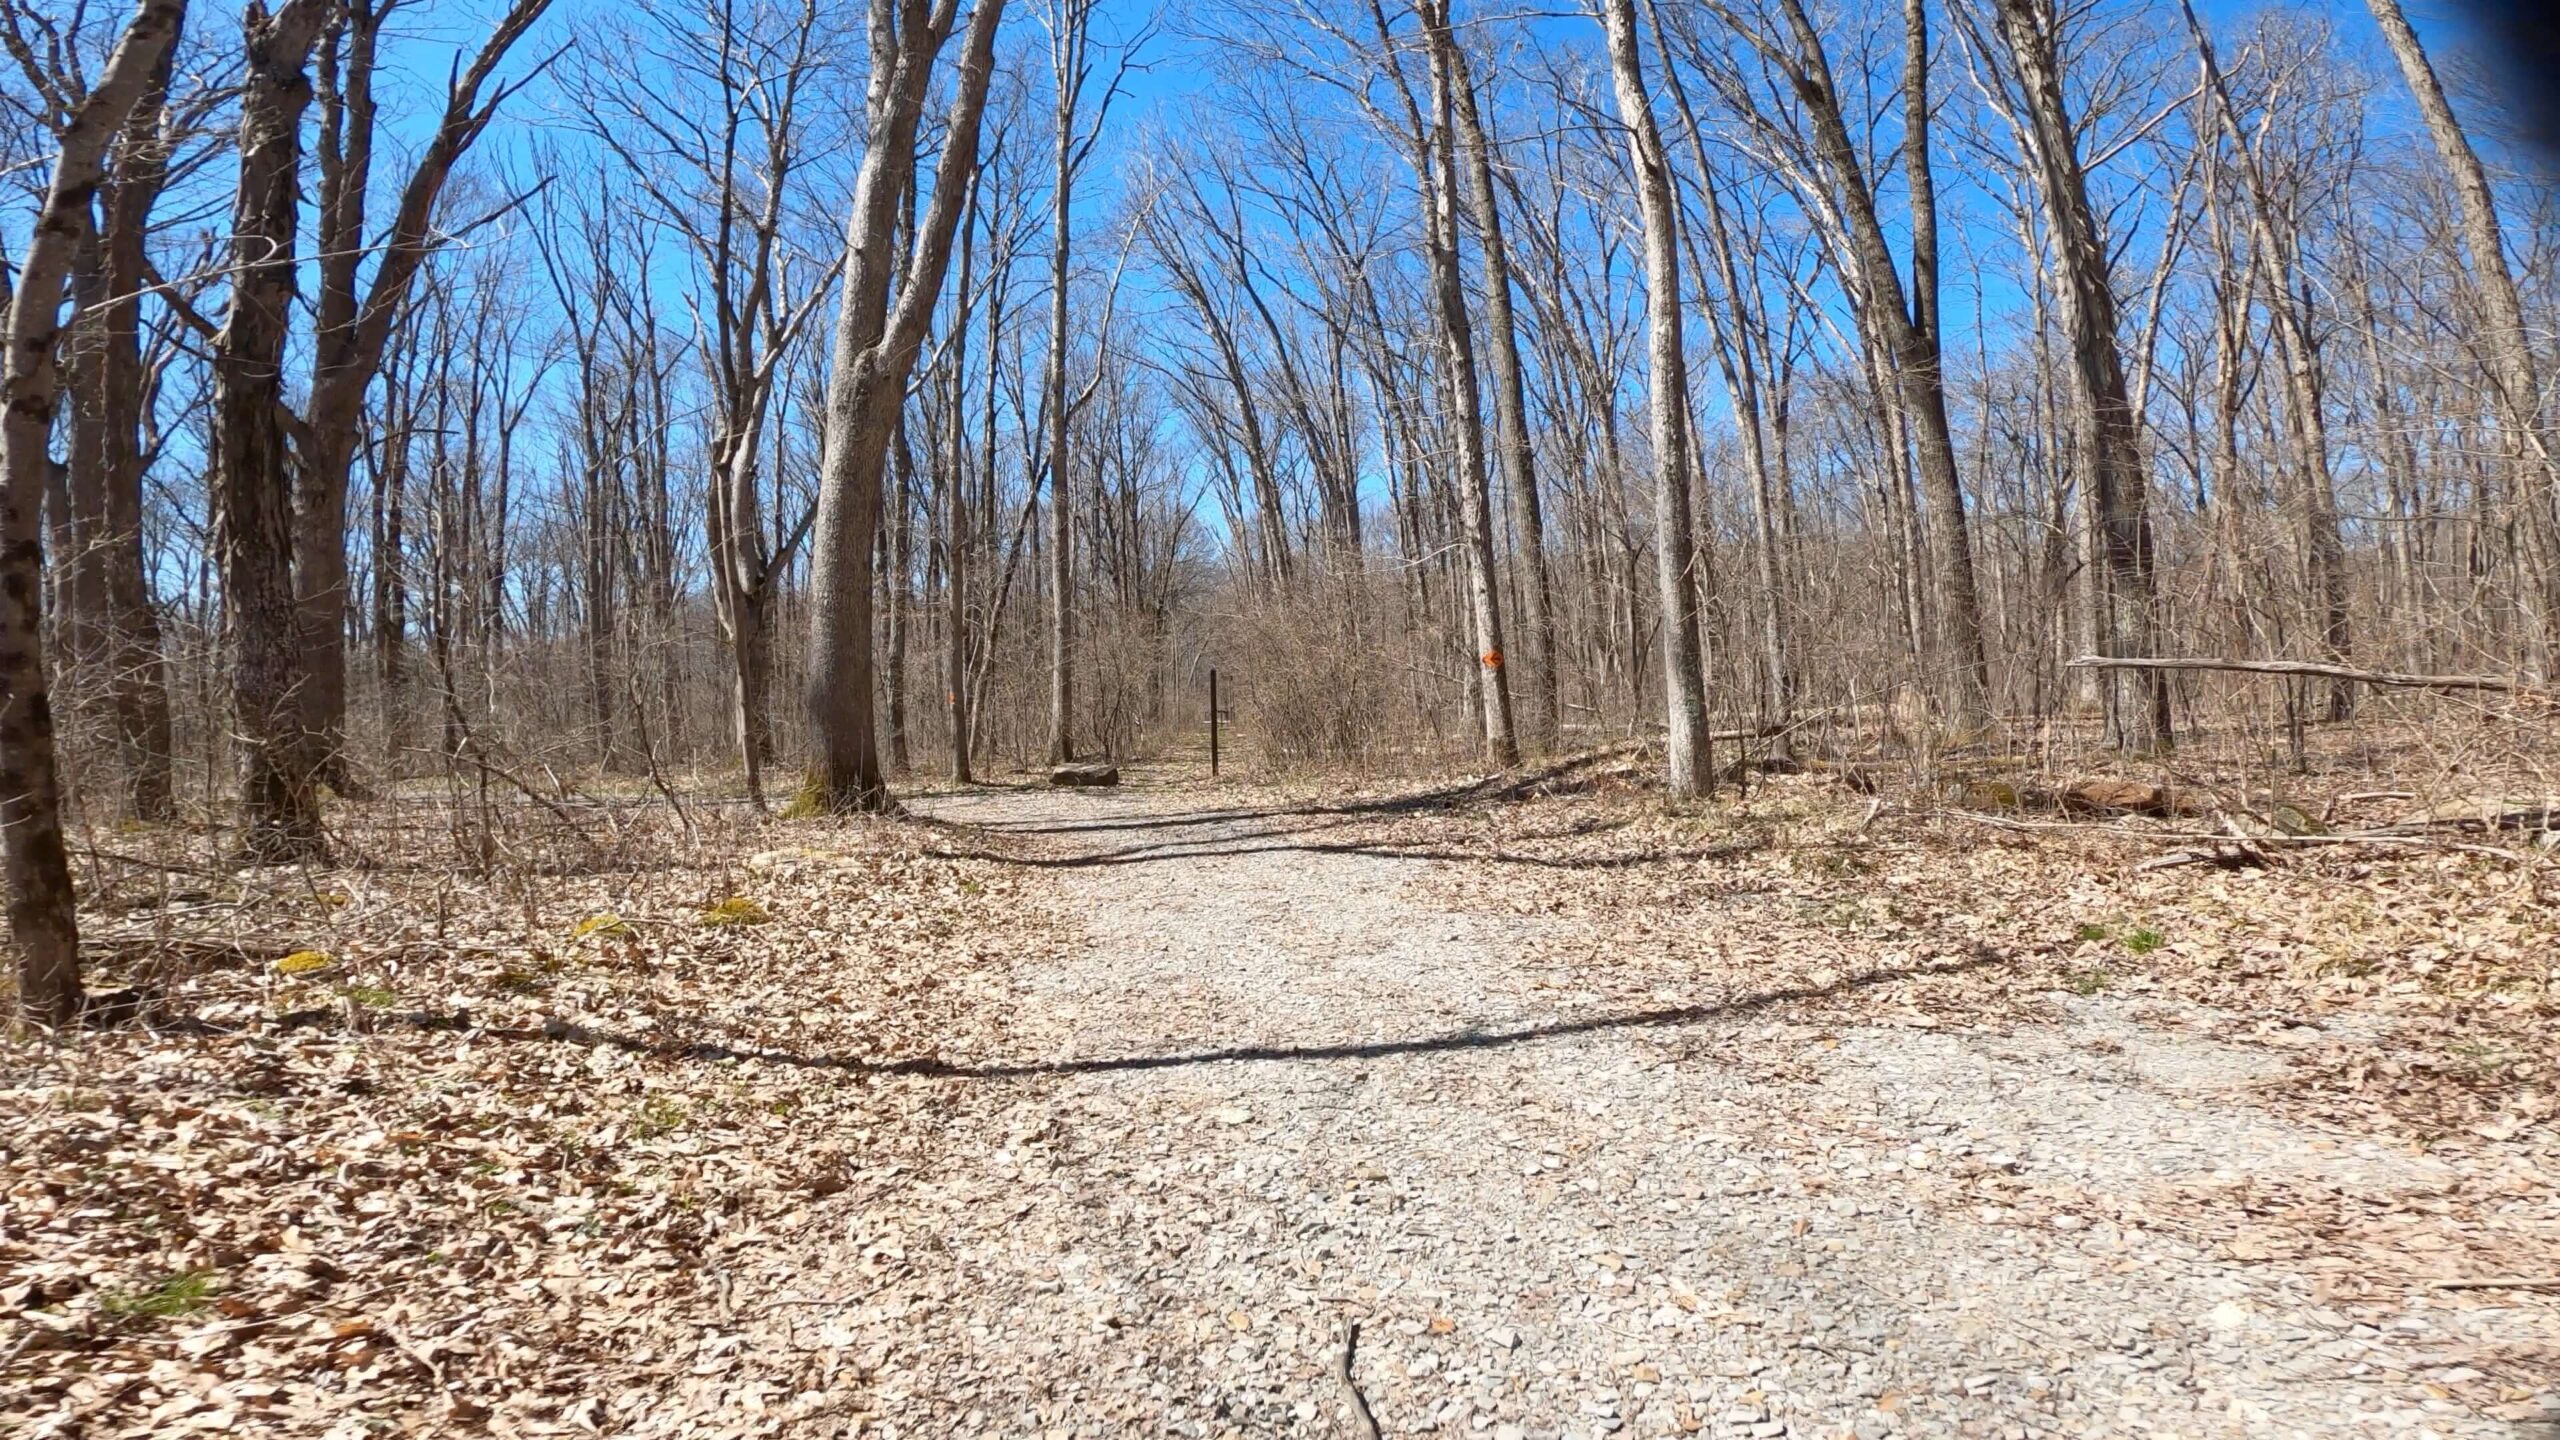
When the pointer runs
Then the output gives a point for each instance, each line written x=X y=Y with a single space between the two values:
x=611 y=927
x=736 y=910
x=372 y=997
x=1993 y=795
x=660 y=1116
x=2294 y=820
x=809 y=802
x=2144 y=941
x=2088 y=982
x=2091 y=932
x=181 y=1294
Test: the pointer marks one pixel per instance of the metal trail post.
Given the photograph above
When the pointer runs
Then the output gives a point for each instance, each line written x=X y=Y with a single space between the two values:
x=1213 y=723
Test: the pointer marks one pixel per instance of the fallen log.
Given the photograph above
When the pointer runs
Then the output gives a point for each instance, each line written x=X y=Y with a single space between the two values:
x=2117 y=797
x=1085 y=775
x=2317 y=669
x=2417 y=840
x=2243 y=853
x=2477 y=813
x=2085 y=796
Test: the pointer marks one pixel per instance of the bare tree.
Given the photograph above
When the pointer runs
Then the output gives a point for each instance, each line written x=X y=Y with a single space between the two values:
x=876 y=343
x=725 y=186
x=2316 y=500
x=1901 y=321
x=43 y=921
x=2109 y=430
x=353 y=321
x=2513 y=376
x=1070 y=28
x=1512 y=451
x=112 y=365
x=279 y=799
x=1431 y=135
x=1691 y=758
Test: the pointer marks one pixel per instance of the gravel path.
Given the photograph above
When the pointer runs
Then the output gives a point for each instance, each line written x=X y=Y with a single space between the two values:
x=1271 y=1087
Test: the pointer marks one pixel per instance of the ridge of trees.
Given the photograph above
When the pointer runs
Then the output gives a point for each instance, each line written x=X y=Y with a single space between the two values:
x=1463 y=384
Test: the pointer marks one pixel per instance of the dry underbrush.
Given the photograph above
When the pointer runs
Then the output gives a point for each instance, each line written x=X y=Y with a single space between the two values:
x=407 y=1143
x=2442 y=937
x=474 y=1128
x=2399 y=993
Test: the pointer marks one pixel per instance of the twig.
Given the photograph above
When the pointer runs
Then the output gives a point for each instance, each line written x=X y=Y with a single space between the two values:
x=649 y=753
x=2353 y=837
x=2501 y=1282
x=147 y=863
x=2225 y=857
x=1364 y=1426
x=2305 y=667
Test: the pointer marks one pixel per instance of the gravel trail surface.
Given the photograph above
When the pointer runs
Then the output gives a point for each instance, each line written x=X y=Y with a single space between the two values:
x=1264 y=1084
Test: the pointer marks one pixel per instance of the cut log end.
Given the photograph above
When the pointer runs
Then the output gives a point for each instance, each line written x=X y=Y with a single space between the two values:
x=1078 y=776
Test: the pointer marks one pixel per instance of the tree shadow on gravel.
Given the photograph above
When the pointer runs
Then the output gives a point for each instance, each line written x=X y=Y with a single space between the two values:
x=1214 y=850
x=1239 y=833
x=936 y=1068
x=1458 y=795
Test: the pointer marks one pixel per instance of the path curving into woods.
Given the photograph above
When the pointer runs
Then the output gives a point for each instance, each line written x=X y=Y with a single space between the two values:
x=1267 y=1083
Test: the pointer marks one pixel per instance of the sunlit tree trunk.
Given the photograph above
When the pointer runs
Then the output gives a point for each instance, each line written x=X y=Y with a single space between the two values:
x=43 y=920
x=1435 y=166
x=2110 y=434
x=1691 y=760
x=877 y=338
x=1512 y=449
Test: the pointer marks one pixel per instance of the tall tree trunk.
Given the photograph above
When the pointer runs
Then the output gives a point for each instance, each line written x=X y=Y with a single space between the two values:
x=875 y=351
x=1692 y=768
x=253 y=477
x=741 y=588
x=1512 y=447
x=955 y=581
x=1740 y=335
x=1061 y=535
x=1070 y=28
x=391 y=584
x=43 y=919
x=961 y=539
x=898 y=546
x=2110 y=433
x=1908 y=326
x=77 y=530
x=138 y=674
x=604 y=521
x=1436 y=165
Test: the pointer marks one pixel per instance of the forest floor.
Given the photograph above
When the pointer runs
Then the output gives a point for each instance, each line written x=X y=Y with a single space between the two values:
x=1096 y=1113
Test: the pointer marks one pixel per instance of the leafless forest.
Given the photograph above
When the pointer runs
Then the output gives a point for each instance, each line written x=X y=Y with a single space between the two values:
x=669 y=363
x=476 y=447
